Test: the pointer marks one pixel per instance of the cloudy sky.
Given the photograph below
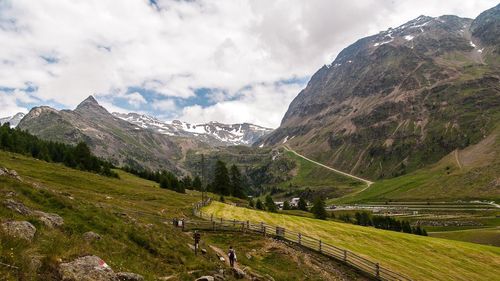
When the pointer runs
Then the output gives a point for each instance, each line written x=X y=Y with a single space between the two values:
x=221 y=60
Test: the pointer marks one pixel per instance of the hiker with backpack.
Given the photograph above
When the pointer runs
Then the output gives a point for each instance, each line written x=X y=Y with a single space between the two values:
x=232 y=256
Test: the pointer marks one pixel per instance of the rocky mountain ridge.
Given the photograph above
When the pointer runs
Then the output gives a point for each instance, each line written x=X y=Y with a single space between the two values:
x=109 y=137
x=213 y=133
x=401 y=99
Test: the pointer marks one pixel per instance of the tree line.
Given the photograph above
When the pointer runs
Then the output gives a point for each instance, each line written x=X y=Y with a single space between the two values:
x=227 y=182
x=78 y=157
x=383 y=222
x=167 y=179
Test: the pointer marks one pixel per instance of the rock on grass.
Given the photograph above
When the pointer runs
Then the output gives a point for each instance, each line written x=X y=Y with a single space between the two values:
x=19 y=229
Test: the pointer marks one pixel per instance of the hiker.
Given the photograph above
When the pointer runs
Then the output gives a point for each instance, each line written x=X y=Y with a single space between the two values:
x=232 y=256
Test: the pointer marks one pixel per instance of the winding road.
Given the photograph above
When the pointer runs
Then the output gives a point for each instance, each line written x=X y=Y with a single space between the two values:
x=329 y=168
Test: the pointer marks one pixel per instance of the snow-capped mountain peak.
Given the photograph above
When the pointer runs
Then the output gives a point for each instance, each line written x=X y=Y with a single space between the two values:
x=214 y=133
x=12 y=120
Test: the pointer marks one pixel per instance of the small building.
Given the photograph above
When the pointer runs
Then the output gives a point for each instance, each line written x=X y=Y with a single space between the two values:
x=294 y=202
x=279 y=205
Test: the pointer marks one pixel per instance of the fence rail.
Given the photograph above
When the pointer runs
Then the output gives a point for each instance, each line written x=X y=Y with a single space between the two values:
x=213 y=223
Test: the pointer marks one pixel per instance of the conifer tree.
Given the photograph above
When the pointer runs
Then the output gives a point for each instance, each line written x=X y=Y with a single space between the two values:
x=251 y=204
x=259 y=204
x=221 y=184
x=270 y=206
x=286 y=205
x=236 y=182
x=302 y=205
x=197 y=185
x=318 y=209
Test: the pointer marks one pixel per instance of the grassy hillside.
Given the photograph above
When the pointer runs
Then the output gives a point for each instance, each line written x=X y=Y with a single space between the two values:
x=318 y=179
x=422 y=258
x=471 y=173
x=487 y=236
x=132 y=216
x=131 y=240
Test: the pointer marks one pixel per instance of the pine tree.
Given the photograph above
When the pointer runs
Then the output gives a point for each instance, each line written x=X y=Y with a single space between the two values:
x=197 y=185
x=251 y=204
x=286 y=205
x=406 y=227
x=222 y=183
x=318 y=209
x=259 y=205
x=236 y=182
x=187 y=182
x=302 y=205
x=270 y=206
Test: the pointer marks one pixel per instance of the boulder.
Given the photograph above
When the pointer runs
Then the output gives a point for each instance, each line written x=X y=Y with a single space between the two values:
x=49 y=219
x=238 y=273
x=17 y=207
x=91 y=236
x=128 y=276
x=205 y=278
x=87 y=268
x=19 y=229
x=9 y=173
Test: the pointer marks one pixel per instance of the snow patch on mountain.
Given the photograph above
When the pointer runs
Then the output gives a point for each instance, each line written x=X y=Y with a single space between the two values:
x=12 y=120
x=213 y=133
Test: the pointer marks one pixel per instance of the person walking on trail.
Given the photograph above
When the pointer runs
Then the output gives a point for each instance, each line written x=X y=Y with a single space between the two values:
x=232 y=256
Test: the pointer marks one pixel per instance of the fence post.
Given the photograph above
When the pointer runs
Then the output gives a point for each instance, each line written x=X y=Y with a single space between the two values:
x=248 y=224
x=213 y=225
x=300 y=239
x=183 y=224
x=377 y=270
x=345 y=256
x=264 y=230
x=320 y=246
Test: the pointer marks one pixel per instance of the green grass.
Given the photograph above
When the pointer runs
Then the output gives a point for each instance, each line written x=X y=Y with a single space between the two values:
x=421 y=258
x=267 y=256
x=486 y=236
x=310 y=175
x=117 y=209
x=445 y=180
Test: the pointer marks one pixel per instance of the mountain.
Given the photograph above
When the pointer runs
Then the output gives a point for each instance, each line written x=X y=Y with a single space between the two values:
x=12 y=120
x=397 y=101
x=213 y=133
x=109 y=137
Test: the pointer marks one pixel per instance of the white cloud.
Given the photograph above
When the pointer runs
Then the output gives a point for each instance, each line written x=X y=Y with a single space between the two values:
x=263 y=104
x=135 y=99
x=8 y=103
x=104 y=47
x=165 y=105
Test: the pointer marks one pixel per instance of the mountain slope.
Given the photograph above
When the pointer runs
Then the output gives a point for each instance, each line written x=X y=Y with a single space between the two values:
x=468 y=174
x=399 y=100
x=108 y=137
x=213 y=133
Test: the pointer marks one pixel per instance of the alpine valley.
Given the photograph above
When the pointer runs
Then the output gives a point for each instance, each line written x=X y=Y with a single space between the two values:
x=386 y=166
x=419 y=99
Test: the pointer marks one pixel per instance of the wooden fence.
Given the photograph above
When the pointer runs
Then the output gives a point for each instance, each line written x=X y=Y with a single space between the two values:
x=210 y=222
